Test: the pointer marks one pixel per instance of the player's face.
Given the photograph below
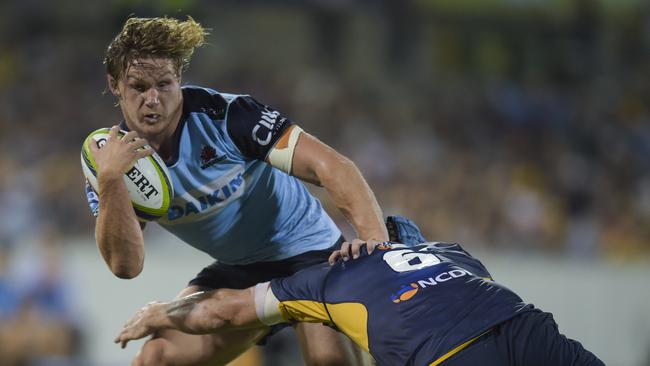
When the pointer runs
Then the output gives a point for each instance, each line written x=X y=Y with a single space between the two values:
x=150 y=97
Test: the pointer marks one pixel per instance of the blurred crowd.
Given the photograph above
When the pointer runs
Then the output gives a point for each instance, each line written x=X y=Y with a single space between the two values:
x=39 y=321
x=524 y=125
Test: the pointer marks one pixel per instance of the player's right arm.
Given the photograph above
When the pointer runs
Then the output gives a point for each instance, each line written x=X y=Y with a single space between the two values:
x=223 y=310
x=202 y=312
x=117 y=229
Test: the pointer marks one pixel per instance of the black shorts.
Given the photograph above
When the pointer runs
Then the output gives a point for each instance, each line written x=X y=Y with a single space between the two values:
x=219 y=275
x=529 y=339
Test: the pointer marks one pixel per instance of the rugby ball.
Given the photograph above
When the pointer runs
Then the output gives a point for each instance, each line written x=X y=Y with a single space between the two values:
x=148 y=181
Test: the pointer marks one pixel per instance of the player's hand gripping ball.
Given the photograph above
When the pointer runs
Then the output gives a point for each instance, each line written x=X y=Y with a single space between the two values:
x=148 y=181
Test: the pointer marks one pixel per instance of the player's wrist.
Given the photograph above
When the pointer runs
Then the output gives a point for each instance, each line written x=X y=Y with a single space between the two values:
x=377 y=234
x=159 y=317
x=376 y=238
x=108 y=175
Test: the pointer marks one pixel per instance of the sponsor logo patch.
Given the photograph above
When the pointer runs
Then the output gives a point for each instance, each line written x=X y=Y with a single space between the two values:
x=207 y=199
x=268 y=124
x=209 y=157
x=406 y=292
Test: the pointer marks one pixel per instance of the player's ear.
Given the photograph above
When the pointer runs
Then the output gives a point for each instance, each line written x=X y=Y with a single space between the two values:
x=112 y=86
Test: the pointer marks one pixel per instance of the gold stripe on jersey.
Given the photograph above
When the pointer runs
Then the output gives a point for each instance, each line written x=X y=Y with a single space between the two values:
x=351 y=318
x=457 y=349
x=303 y=311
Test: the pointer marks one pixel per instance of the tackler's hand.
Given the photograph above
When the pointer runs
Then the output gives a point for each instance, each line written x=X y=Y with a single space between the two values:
x=142 y=324
x=352 y=250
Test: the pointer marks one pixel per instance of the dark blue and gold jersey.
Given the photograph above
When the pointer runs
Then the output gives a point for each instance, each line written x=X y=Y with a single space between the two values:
x=405 y=305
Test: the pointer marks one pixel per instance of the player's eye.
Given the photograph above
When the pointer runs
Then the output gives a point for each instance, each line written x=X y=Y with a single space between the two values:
x=139 y=88
x=163 y=84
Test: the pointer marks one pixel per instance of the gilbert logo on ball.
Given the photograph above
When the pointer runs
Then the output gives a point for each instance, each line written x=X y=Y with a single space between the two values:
x=148 y=181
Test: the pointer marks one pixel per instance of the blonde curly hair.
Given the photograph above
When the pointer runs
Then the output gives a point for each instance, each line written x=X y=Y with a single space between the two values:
x=154 y=37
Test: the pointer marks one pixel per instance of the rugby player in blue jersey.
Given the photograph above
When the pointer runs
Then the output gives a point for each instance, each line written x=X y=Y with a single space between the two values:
x=236 y=166
x=427 y=304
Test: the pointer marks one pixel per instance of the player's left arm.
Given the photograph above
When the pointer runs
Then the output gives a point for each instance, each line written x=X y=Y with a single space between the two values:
x=199 y=313
x=262 y=133
x=317 y=163
x=304 y=156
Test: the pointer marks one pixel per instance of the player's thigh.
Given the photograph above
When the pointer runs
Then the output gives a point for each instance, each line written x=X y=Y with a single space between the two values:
x=322 y=345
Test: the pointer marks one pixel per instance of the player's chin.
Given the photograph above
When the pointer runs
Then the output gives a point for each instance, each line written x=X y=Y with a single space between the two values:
x=152 y=126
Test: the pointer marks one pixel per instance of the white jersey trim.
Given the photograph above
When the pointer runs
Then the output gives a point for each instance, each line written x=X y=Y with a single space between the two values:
x=281 y=156
x=267 y=305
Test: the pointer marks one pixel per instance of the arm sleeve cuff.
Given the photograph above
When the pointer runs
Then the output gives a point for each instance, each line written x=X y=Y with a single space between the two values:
x=281 y=155
x=267 y=305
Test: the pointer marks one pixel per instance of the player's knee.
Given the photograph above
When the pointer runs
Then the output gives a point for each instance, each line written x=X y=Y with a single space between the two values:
x=151 y=354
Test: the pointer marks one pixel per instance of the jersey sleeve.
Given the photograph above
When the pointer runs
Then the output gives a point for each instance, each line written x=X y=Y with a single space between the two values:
x=300 y=295
x=93 y=199
x=254 y=127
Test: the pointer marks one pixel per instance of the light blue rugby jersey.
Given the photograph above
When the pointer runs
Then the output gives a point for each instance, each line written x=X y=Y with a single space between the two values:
x=228 y=201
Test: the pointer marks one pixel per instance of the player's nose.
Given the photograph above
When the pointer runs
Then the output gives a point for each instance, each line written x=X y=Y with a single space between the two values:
x=151 y=97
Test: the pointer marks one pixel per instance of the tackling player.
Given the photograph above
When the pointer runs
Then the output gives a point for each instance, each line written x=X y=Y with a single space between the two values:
x=430 y=304
x=234 y=163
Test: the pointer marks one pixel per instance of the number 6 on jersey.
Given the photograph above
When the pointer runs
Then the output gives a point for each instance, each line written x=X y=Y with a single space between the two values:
x=408 y=260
